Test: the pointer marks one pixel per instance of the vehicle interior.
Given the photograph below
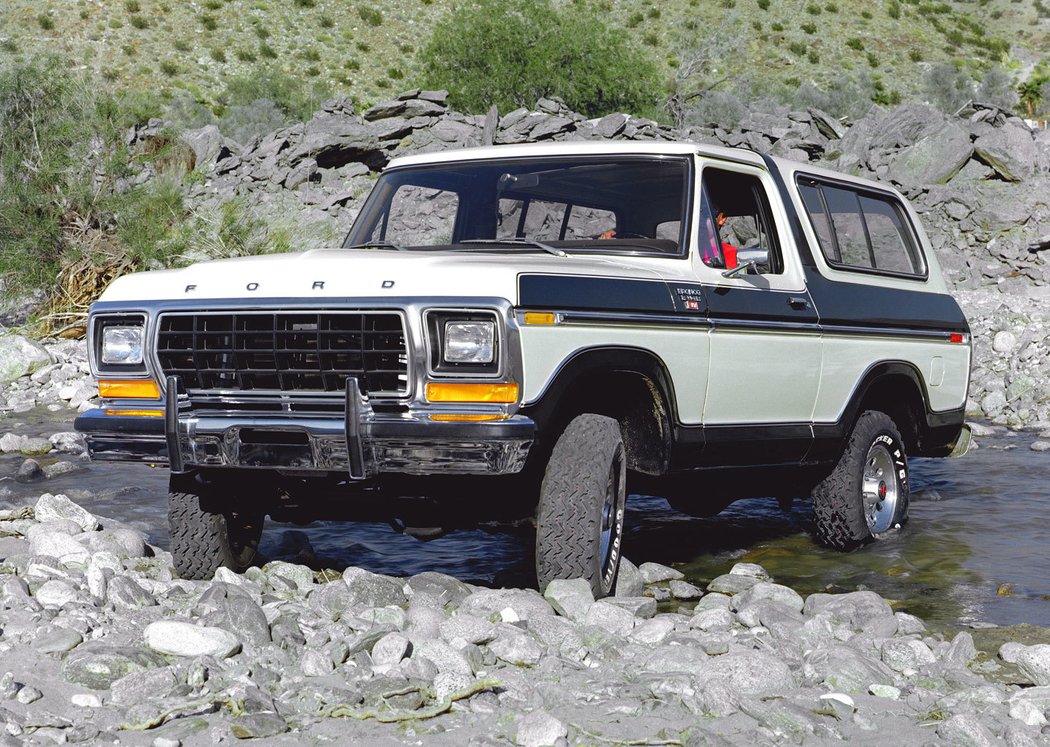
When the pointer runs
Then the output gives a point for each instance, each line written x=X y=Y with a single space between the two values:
x=600 y=204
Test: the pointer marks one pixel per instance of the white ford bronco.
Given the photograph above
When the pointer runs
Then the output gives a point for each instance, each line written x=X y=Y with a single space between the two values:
x=538 y=331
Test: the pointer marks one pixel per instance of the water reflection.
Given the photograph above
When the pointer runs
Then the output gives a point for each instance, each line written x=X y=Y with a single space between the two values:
x=974 y=549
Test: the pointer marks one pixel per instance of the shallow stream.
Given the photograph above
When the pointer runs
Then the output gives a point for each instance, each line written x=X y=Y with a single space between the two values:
x=974 y=551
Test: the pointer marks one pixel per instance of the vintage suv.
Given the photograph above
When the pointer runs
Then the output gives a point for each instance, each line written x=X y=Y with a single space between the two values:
x=541 y=328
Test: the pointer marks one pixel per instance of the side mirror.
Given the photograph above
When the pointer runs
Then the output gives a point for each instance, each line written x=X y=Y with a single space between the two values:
x=747 y=260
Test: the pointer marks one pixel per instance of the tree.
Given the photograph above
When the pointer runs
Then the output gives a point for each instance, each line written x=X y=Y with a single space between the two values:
x=1031 y=92
x=512 y=53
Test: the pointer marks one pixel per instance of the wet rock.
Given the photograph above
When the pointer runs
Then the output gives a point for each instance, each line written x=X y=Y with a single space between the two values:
x=30 y=471
x=684 y=590
x=178 y=638
x=539 y=729
x=731 y=583
x=713 y=619
x=765 y=590
x=97 y=666
x=300 y=575
x=962 y=650
x=857 y=608
x=570 y=598
x=654 y=573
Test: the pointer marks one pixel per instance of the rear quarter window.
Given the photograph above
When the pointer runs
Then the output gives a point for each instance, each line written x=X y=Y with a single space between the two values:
x=862 y=230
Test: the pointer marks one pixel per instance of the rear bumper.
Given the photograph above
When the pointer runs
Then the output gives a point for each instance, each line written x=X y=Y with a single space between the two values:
x=361 y=446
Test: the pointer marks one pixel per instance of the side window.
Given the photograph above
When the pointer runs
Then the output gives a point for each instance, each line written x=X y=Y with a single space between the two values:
x=848 y=224
x=736 y=209
x=889 y=244
x=861 y=230
x=419 y=216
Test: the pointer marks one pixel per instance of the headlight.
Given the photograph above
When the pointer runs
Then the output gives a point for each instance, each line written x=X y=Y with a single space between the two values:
x=469 y=342
x=462 y=342
x=122 y=345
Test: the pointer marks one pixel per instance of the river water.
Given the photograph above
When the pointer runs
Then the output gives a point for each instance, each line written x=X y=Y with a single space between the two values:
x=974 y=550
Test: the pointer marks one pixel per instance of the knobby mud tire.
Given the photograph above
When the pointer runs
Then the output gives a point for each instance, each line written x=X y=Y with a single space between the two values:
x=587 y=473
x=202 y=541
x=838 y=503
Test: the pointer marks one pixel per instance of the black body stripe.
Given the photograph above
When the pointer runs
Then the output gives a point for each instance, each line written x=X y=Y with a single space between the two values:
x=591 y=293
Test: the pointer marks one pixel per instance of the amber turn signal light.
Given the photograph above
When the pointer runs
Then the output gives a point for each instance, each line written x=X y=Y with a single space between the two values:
x=138 y=389
x=455 y=392
x=540 y=318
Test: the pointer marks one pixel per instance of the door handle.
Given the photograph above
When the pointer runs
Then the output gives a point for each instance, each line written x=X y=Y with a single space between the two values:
x=798 y=303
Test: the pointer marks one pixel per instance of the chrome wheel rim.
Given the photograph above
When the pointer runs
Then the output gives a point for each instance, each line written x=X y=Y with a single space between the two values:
x=880 y=489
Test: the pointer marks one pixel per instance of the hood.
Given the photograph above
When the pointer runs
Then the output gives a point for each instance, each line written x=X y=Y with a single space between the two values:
x=361 y=274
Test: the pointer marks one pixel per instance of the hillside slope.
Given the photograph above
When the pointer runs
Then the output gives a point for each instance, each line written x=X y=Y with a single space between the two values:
x=367 y=50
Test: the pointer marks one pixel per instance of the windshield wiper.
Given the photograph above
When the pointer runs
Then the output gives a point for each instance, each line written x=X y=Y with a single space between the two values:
x=517 y=241
x=377 y=245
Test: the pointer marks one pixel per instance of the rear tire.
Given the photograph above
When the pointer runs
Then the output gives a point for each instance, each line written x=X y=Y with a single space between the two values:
x=203 y=540
x=579 y=522
x=866 y=495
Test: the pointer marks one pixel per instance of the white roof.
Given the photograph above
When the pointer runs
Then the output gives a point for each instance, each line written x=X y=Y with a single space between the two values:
x=579 y=147
x=786 y=167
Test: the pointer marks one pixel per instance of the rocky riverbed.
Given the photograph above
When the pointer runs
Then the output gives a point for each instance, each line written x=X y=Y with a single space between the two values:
x=100 y=642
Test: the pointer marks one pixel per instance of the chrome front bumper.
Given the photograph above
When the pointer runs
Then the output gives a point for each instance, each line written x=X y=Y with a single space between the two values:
x=361 y=445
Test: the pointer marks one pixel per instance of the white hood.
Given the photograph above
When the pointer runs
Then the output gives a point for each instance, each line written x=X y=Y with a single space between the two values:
x=361 y=274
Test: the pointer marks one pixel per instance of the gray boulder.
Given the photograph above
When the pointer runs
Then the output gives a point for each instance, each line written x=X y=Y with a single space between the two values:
x=748 y=672
x=1034 y=663
x=20 y=357
x=179 y=638
x=97 y=666
x=1009 y=150
x=933 y=160
x=53 y=507
x=844 y=669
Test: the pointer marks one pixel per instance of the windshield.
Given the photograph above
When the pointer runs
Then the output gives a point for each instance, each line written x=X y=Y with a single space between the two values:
x=605 y=204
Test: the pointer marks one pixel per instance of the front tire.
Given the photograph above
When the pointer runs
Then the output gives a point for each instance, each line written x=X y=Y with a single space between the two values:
x=867 y=494
x=579 y=522
x=203 y=539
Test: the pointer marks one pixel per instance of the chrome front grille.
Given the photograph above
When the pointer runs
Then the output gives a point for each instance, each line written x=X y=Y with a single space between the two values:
x=286 y=351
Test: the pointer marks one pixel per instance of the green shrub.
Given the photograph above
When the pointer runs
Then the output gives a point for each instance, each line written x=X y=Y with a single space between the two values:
x=306 y=3
x=181 y=45
x=270 y=83
x=798 y=48
x=728 y=4
x=46 y=22
x=487 y=53
x=245 y=55
x=763 y=4
x=831 y=7
x=894 y=10
x=777 y=26
x=855 y=42
x=267 y=51
x=326 y=22
x=261 y=31
x=653 y=13
x=218 y=54
x=813 y=56
x=132 y=6
x=212 y=4
x=866 y=15
x=651 y=39
x=169 y=68
x=139 y=22
x=370 y=15
x=809 y=28
x=311 y=55
x=363 y=46
x=313 y=71
x=635 y=19
x=873 y=60
x=915 y=55
x=208 y=22
x=395 y=73
x=813 y=9
x=756 y=25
